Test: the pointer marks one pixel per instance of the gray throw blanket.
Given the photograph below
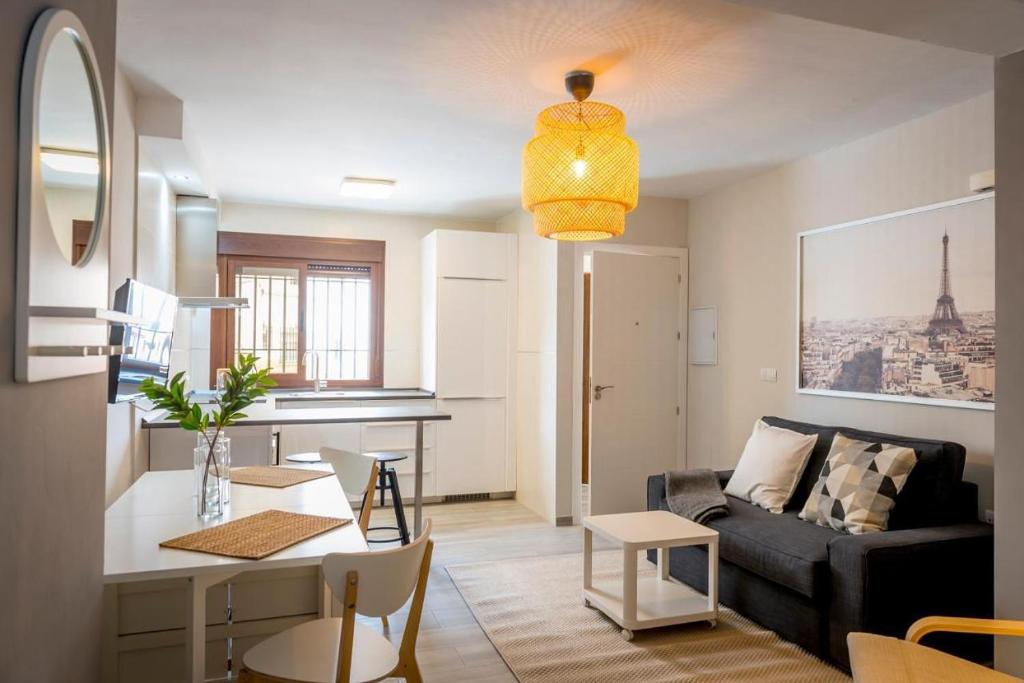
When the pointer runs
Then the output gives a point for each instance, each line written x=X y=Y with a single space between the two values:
x=696 y=495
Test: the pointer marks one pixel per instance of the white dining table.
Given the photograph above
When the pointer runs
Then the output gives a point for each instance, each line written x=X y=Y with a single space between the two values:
x=159 y=506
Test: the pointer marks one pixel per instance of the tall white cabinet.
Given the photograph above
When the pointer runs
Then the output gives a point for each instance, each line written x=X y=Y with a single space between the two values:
x=468 y=318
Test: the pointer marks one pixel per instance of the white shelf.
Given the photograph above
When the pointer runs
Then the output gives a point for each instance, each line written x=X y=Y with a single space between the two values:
x=78 y=351
x=213 y=302
x=85 y=314
x=658 y=603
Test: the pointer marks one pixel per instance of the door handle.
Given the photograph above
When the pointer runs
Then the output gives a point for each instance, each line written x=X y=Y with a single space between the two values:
x=598 y=389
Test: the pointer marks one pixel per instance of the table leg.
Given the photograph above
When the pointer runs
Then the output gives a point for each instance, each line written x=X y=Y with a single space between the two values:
x=663 y=554
x=713 y=577
x=588 y=558
x=109 y=663
x=628 y=586
x=326 y=607
x=195 y=625
x=418 y=499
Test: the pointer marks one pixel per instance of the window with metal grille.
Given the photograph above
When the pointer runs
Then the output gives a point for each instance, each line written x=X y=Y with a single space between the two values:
x=269 y=328
x=338 y=321
x=308 y=312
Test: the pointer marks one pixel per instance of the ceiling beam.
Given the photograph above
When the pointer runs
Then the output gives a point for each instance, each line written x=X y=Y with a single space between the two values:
x=992 y=27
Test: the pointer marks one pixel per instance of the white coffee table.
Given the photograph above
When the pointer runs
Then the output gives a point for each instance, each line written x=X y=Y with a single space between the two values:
x=654 y=601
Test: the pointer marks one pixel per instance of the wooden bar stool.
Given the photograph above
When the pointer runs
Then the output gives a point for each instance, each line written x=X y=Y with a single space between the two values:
x=388 y=482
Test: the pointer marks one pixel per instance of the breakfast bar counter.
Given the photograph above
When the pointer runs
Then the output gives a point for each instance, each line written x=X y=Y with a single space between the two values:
x=267 y=415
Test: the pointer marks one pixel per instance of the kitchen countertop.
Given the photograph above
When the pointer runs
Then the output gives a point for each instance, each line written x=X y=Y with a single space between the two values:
x=370 y=394
x=263 y=414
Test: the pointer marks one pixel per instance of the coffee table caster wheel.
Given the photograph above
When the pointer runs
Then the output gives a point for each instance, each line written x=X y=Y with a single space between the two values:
x=627 y=635
x=712 y=623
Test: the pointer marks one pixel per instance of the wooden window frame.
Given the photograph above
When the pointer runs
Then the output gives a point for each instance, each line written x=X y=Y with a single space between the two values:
x=291 y=251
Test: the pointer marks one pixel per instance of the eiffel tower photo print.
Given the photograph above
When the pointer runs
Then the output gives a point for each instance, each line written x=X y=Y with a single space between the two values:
x=872 y=323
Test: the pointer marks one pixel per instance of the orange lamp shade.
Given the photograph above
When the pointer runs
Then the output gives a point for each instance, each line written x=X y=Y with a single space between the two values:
x=581 y=173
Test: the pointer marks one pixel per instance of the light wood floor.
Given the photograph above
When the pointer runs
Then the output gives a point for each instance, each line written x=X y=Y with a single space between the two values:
x=451 y=646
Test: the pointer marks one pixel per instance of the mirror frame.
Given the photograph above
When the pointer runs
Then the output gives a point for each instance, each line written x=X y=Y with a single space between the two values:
x=61 y=338
x=50 y=24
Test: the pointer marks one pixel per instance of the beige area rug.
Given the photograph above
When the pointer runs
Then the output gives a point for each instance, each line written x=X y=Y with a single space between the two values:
x=532 y=610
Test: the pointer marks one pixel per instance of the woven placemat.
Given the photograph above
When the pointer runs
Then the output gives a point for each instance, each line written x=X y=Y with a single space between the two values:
x=276 y=477
x=256 y=536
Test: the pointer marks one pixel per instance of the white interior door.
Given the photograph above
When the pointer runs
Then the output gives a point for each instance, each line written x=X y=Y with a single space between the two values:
x=636 y=343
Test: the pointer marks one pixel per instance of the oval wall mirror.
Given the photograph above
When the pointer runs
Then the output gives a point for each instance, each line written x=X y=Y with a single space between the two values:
x=71 y=143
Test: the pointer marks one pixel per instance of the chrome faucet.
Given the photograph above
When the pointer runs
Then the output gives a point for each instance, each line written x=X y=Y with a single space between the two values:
x=316 y=368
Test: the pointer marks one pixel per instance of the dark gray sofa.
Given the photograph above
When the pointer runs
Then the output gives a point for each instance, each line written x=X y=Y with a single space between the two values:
x=814 y=585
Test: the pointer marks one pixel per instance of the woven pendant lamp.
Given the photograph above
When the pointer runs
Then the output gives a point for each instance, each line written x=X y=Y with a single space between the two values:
x=581 y=173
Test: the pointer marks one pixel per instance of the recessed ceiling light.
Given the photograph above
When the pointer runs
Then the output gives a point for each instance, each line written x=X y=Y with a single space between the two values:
x=367 y=188
x=70 y=161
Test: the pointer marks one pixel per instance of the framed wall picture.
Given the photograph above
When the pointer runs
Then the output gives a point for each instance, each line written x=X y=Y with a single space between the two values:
x=901 y=307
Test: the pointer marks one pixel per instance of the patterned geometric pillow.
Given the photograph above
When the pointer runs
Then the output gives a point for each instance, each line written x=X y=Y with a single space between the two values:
x=858 y=485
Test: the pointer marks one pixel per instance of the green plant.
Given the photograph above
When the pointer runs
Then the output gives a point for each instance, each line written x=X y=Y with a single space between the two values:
x=243 y=384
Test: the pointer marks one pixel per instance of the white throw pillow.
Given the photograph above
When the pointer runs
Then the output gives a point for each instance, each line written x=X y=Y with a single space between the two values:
x=770 y=467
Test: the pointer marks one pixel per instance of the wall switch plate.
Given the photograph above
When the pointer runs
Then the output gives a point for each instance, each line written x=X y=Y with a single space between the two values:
x=769 y=375
x=990 y=516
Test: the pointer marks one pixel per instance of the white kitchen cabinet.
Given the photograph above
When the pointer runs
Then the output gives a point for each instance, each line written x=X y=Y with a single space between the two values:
x=472 y=455
x=401 y=437
x=472 y=338
x=474 y=255
x=171 y=449
x=469 y=326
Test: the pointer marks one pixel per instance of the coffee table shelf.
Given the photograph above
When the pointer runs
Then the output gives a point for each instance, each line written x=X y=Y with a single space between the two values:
x=649 y=602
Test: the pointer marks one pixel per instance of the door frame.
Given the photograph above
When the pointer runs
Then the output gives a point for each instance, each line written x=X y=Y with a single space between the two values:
x=580 y=251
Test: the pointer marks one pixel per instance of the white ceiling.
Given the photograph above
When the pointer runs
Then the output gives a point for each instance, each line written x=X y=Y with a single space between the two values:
x=289 y=97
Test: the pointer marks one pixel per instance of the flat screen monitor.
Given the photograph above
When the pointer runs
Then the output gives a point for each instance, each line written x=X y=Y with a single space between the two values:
x=150 y=339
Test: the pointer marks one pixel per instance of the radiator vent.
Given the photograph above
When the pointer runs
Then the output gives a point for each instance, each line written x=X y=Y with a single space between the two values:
x=467 y=498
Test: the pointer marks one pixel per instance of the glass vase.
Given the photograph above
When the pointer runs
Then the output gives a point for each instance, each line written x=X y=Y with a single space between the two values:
x=212 y=462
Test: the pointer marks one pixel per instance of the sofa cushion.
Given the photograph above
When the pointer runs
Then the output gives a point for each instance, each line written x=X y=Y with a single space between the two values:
x=779 y=547
x=858 y=485
x=930 y=496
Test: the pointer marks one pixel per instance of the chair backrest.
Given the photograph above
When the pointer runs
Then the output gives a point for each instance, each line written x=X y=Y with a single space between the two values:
x=386 y=577
x=352 y=469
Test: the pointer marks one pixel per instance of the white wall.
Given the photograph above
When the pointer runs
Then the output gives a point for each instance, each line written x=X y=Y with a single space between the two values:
x=122 y=424
x=401 y=233
x=155 y=224
x=535 y=362
x=1010 y=335
x=742 y=242
x=142 y=245
x=657 y=222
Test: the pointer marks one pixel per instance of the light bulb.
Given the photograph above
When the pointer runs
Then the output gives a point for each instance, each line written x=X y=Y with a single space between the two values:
x=579 y=167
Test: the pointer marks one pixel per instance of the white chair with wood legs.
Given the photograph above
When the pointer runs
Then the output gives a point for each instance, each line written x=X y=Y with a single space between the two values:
x=342 y=650
x=352 y=470
x=357 y=474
